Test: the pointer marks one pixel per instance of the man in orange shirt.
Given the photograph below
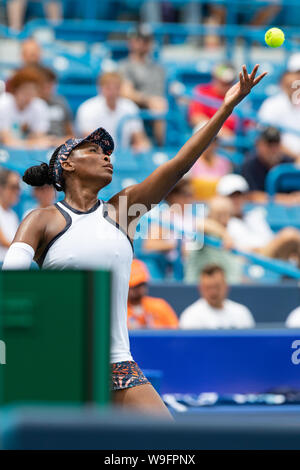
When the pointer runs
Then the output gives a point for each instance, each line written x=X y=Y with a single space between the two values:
x=145 y=311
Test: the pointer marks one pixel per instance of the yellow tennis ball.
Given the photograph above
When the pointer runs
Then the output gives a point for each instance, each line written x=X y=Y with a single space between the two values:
x=274 y=37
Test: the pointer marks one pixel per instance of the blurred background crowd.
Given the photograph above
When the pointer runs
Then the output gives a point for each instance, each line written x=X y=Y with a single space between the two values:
x=152 y=73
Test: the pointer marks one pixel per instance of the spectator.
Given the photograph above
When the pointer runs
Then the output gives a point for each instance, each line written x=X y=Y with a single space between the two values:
x=31 y=53
x=293 y=320
x=267 y=154
x=16 y=12
x=224 y=76
x=144 y=79
x=176 y=211
x=145 y=311
x=60 y=114
x=214 y=310
x=24 y=117
x=283 y=110
x=44 y=195
x=251 y=232
x=182 y=255
x=109 y=109
x=157 y=12
x=220 y=211
x=9 y=196
x=256 y=14
x=207 y=171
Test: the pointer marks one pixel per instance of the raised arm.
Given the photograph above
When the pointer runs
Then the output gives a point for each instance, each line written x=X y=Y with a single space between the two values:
x=157 y=185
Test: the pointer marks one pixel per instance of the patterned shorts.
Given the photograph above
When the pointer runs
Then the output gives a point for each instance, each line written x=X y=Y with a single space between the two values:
x=126 y=374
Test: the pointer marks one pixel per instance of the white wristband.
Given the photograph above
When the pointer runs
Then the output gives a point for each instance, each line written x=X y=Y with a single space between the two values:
x=18 y=256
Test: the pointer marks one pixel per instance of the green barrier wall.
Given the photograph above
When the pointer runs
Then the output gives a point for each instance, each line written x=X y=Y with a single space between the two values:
x=56 y=327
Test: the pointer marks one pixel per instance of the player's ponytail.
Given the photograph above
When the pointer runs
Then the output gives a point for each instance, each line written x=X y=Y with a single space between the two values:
x=39 y=175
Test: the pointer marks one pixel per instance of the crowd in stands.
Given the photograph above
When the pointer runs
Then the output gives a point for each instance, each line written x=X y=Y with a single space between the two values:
x=213 y=310
x=209 y=13
x=33 y=115
x=192 y=12
x=225 y=219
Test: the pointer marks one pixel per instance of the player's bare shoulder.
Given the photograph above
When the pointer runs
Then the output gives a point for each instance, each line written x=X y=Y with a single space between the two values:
x=42 y=216
x=41 y=225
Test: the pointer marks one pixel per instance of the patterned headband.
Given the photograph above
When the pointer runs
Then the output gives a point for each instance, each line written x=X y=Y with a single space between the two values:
x=100 y=137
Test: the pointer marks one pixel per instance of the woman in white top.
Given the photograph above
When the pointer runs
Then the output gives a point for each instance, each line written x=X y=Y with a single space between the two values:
x=9 y=196
x=83 y=232
x=24 y=117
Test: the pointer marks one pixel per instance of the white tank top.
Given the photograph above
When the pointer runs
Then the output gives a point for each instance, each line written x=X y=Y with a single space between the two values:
x=91 y=240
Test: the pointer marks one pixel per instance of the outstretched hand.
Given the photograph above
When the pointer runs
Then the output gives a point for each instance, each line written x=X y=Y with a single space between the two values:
x=242 y=88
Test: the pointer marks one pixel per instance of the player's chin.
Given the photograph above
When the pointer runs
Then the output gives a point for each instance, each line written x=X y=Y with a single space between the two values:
x=107 y=177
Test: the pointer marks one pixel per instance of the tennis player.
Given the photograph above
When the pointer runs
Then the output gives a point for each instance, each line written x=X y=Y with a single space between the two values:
x=83 y=232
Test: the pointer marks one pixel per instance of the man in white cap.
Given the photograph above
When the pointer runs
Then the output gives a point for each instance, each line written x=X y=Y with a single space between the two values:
x=283 y=109
x=250 y=231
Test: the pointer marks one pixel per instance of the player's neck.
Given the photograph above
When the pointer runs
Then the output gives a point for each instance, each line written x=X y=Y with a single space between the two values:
x=82 y=198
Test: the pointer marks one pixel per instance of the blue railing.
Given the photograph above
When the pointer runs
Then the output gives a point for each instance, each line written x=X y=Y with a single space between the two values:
x=97 y=30
x=283 y=268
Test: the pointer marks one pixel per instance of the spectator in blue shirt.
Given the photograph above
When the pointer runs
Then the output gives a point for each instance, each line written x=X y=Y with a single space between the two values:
x=267 y=154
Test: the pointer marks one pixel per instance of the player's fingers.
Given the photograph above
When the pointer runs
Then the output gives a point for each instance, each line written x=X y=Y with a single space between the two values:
x=241 y=80
x=245 y=73
x=259 y=78
x=253 y=73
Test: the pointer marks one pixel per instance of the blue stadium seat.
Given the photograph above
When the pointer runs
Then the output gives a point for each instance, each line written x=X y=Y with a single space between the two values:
x=126 y=161
x=283 y=178
x=280 y=216
x=90 y=31
x=159 y=268
x=20 y=159
x=76 y=94
x=191 y=74
x=117 y=50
